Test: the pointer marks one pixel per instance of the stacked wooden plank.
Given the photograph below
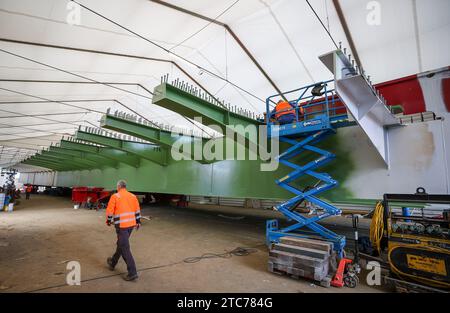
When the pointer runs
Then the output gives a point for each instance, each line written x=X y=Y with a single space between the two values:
x=299 y=257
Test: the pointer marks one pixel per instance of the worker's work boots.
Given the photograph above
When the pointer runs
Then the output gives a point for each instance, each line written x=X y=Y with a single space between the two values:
x=111 y=266
x=126 y=277
x=129 y=277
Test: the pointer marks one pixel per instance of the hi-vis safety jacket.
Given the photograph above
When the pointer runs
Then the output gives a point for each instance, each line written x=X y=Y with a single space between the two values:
x=123 y=209
x=284 y=108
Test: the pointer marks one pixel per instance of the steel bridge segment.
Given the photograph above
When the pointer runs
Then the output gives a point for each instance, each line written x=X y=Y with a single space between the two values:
x=230 y=147
x=44 y=164
x=165 y=138
x=56 y=162
x=366 y=105
x=107 y=152
x=69 y=160
x=102 y=161
x=190 y=103
x=142 y=150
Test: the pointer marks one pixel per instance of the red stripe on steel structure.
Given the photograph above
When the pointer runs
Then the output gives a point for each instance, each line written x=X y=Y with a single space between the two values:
x=405 y=91
x=446 y=92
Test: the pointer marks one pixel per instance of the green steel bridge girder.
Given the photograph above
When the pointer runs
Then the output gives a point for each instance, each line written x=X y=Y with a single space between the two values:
x=85 y=156
x=161 y=137
x=47 y=167
x=167 y=139
x=71 y=160
x=58 y=162
x=44 y=164
x=56 y=165
x=146 y=132
x=142 y=150
x=107 y=152
x=189 y=105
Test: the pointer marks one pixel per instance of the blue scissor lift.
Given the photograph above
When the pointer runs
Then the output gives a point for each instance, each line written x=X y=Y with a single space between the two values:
x=322 y=115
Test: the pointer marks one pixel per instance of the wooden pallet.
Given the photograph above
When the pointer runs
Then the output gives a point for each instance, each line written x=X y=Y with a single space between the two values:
x=301 y=258
x=313 y=273
x=308 y=243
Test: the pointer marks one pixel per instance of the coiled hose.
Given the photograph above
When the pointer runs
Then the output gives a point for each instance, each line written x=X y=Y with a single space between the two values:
x=377 y=227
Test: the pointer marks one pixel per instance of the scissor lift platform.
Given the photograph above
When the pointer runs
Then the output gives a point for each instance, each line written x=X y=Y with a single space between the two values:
x=318 y=114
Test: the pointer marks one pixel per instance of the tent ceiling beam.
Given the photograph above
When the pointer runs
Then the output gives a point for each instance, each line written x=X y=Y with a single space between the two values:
x=347 y=32
x=230 y=31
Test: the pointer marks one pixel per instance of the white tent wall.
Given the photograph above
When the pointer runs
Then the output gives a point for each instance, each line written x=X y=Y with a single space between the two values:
x=38 y=178
x=402 y=41
x=27 y=178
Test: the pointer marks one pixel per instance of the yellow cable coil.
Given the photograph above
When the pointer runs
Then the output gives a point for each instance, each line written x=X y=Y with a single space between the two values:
x=377 y=227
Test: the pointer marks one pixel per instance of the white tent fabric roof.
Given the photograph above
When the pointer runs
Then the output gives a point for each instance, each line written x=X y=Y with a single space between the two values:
x=284 y=36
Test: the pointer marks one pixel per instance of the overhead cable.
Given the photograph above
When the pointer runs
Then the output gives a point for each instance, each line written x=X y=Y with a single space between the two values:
x=105 y=84
x=168 y=51
x=204 y=27
x=84 y=77
x=323 y=25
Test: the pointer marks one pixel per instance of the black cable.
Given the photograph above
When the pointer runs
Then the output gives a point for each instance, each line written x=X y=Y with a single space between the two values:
x=75 y=106
x=74 y=74
x=25 y=144
x=29 y=130
x=323 y=25
x=102 y=277
x=239 y=251
x=87 y=78
x=38 y=138
x=204 y=27
x=51 y=101
x=39 y=117
x=35 y=125
x=168 y=51
x=46 y=114
x=97 y=82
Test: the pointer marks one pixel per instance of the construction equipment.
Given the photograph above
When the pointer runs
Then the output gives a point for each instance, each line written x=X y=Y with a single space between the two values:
x=11 y=196
x=349 y=269
x=315 y=120
x=92 y=198
x=414 y=232
x=345 y=275
x=9 y=186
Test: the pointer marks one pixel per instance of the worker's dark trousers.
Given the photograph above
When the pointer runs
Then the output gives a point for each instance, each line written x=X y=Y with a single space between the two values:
x=27 y=196
x=123 y=249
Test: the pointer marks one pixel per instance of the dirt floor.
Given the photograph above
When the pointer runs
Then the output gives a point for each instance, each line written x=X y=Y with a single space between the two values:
x=44 y=233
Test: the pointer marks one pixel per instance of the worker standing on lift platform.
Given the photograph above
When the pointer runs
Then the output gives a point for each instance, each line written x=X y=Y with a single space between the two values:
x=123 y=210
x=284 y=112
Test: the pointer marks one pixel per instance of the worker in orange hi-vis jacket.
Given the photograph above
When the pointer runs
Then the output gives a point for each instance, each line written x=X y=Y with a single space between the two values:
x=123 y=211
x=28 y=190
x=284 y=112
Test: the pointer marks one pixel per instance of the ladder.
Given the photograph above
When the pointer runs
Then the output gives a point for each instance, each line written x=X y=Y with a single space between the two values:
x=318 y=114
